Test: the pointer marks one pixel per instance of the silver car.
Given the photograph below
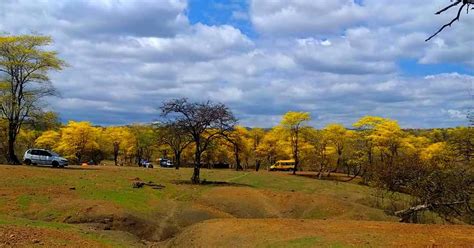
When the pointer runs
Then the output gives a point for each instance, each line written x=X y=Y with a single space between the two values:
x=44 y=157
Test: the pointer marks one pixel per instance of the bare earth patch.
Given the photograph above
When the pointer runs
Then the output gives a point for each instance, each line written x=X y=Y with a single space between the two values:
x=13 y=236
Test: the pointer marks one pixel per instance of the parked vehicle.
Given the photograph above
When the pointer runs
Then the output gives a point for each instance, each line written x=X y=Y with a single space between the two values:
x=283 y=165
x=145 y=163
x=44 y=157
x=166 y=163
x=221 y=165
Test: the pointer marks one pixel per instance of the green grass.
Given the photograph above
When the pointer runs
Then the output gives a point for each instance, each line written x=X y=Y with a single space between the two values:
x=24 y=201
x=46 y=197
x=109 y=240
x=113 y=185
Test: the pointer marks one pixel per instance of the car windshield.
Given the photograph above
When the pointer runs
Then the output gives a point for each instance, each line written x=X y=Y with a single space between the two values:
x=54 y=154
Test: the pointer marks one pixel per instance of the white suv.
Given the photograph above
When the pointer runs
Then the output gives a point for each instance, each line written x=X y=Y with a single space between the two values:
x=40 y=156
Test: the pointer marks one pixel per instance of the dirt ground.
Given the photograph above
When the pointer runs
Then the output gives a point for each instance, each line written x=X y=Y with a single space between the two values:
x=98 y=207
x=14 y=236
x=320 y=233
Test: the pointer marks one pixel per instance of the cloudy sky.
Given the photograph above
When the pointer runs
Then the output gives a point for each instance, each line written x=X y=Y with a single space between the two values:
x=339 y=59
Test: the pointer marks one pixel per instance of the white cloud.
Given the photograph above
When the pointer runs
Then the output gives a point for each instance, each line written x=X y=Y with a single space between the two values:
x=337 y=59
x=304 y=18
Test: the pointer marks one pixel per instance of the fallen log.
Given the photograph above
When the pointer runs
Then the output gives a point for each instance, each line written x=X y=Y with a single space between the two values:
x=406 y=214
x=141 y=184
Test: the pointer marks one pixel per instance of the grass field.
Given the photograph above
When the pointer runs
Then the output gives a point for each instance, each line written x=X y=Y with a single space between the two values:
x=98 y=207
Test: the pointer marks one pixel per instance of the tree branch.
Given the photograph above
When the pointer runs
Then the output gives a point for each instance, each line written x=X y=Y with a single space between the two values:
x=448 y=7
x=452 y=21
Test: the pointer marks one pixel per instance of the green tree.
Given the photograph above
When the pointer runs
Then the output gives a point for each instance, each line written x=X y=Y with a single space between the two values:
x=24 y=67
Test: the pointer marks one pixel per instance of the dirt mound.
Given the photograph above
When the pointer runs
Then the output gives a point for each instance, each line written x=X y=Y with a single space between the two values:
x=240 y=202
x=13 y=236
x=165 y=223
x=320 y=233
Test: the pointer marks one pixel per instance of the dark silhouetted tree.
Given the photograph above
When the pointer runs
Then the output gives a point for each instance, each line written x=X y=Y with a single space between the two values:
x=203 y=121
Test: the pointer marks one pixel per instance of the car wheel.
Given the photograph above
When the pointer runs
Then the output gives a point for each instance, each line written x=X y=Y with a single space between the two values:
x=28 y=162
x=55 y=164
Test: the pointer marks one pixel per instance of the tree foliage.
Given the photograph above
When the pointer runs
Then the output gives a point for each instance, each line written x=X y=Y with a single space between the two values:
x=24 y=67
x=79 y=142
x=121 y=142
x=175 y=138
x=293 y=123
x=202 y=121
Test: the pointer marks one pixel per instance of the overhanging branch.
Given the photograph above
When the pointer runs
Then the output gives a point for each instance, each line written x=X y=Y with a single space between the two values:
x=464 y=4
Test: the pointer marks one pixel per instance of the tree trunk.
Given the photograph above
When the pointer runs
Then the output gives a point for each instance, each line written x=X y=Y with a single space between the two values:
x=320 y=173
x=237 y=158
x=409 y=215
x=295 y=154
x=12 y=158
x=339 y=160
x=195 y=179
x=197 y=167
x=257 y=165
x=116 y=151
x=177 y=158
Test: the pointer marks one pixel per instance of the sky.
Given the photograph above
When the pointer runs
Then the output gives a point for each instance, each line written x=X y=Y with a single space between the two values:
x=339 y=60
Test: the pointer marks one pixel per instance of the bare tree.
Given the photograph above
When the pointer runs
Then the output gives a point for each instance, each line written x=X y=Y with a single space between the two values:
x=464 y=3
x=203 y=121
x=24 y=80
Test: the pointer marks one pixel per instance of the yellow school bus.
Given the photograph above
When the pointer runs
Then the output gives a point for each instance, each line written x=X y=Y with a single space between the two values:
x=284 y=165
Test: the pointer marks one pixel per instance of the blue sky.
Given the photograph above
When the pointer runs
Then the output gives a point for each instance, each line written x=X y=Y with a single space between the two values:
x=338 y=60
x=220 y=12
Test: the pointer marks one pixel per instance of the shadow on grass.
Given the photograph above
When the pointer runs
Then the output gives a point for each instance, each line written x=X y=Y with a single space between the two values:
x=210 y=183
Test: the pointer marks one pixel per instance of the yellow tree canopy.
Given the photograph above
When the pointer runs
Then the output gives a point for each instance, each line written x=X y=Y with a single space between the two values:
x=122 y=138
x=77 y=139
x=337 y=135
x=48 y=139
x=368 y=122
x=294 y=120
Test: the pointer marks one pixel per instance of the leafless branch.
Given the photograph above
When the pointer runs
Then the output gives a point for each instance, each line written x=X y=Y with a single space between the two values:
x=448 y=7
x=453 y=20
